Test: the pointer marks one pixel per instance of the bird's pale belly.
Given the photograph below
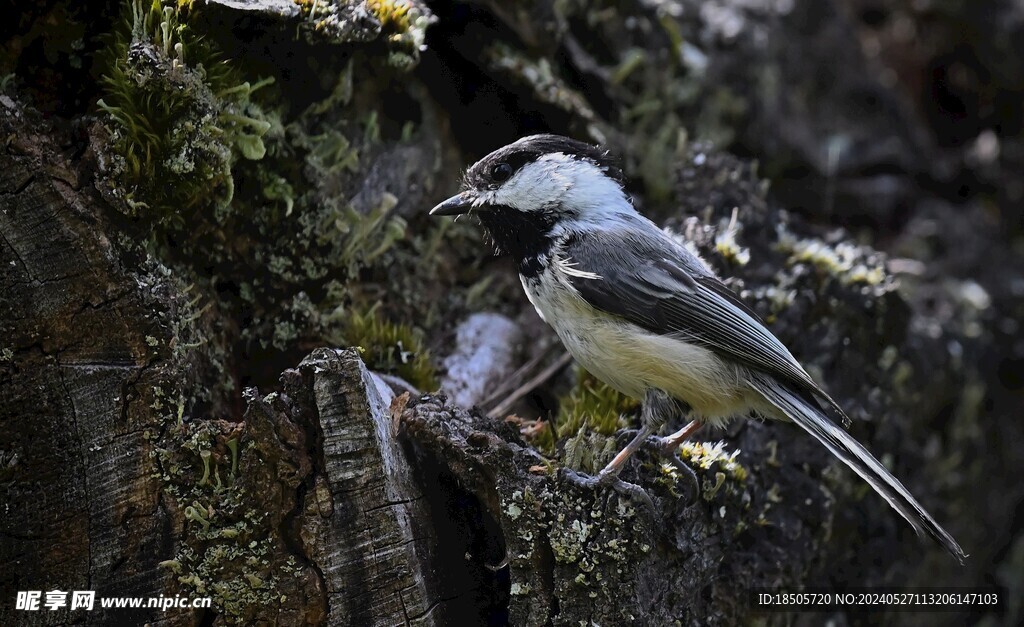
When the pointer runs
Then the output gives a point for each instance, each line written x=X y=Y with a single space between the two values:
x=632 y=360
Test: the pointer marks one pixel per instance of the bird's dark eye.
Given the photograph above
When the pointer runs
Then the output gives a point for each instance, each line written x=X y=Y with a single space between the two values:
x=501 y=172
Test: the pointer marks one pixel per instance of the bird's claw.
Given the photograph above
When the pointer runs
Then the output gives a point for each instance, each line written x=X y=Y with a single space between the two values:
x=612 y=480
x=626 y=488
x=669 y=449
x=661 y=445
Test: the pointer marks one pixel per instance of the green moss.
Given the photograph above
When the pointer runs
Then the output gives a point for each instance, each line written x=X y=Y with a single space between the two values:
x=178 y=117
x=389 y=347
x=588 y=417
x=540 y=434
x=593 y=405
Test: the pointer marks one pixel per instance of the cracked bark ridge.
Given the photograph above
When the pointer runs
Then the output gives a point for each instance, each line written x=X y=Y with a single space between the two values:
x=363 y=522
x=554 y=551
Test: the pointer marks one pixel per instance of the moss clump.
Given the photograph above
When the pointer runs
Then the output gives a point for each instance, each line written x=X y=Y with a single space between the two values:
x=594 y=405
x=587 y=420
x=178 y=118
x=389 y=347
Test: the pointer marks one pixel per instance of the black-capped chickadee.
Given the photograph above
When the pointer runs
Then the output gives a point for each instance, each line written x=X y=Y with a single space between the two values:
x=643 y=313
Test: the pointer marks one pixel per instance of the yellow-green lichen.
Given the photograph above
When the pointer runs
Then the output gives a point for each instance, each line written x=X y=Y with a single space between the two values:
x=718 y=467
x=845 y=261
x=402 y=23
x=727 y=246
x=705 y=455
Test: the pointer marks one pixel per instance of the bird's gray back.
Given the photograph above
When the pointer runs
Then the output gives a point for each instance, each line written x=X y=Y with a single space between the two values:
x=637 y=271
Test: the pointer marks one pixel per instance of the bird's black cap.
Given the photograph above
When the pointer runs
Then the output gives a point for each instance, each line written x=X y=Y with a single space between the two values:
x=527 y=150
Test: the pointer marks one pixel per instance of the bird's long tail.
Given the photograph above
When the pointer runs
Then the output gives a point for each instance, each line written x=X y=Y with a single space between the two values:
x=854 y=455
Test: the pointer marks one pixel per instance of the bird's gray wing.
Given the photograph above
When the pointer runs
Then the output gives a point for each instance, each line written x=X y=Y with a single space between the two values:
x=658 y=285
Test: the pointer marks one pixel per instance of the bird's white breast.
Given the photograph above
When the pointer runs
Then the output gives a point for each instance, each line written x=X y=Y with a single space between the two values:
x=632 y=359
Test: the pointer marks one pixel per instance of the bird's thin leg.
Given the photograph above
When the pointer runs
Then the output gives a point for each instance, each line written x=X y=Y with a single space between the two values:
x=655 y=411
x=671 y=443
x=669 y=447
x=614 y=467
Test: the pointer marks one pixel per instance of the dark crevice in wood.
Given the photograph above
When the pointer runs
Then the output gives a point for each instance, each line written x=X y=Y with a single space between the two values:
x=464 y=528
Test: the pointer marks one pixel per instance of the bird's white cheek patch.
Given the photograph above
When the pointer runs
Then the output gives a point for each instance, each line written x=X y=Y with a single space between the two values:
x=536 y=186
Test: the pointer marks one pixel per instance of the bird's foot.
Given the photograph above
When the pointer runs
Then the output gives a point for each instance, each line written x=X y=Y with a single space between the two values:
x=669 y=449
x=610 y=479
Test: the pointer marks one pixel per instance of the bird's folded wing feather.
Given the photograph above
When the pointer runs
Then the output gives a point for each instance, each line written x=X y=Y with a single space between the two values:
x=658 y=285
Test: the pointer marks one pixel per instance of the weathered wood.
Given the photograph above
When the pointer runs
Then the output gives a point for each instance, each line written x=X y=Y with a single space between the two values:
x=564 y=552
x=84 y=341
x=365 y=525
x=482 y=359
x=132 y=464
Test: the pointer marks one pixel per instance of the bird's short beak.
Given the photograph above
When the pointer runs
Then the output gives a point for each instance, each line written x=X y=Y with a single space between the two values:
x=456 y=205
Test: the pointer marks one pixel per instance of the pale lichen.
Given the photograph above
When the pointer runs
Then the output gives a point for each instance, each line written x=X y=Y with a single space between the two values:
x=847 y=262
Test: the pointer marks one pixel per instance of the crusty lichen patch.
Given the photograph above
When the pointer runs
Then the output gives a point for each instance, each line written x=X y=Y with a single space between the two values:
x=223 y=480
x=596 y=545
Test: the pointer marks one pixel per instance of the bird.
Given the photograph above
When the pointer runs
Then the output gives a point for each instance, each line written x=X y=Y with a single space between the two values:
x=641 y=312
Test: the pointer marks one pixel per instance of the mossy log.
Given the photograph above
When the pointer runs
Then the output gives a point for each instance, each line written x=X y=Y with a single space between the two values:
x=321 y=505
